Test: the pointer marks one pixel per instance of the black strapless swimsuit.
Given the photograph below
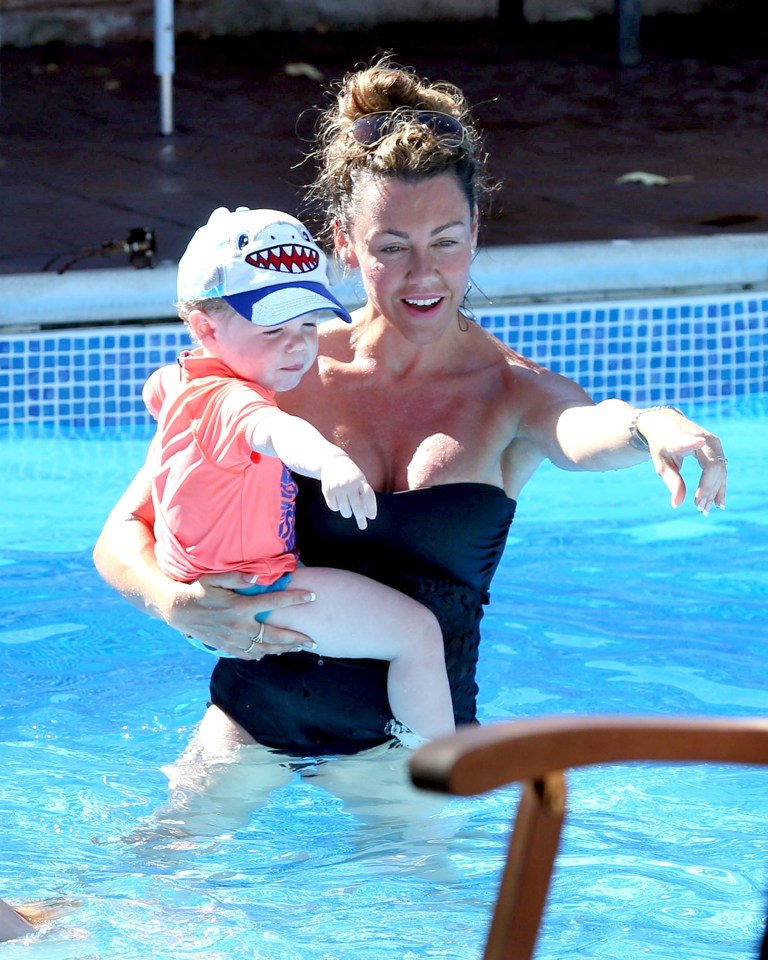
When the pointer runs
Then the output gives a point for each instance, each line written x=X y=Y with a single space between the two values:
x=440 y=545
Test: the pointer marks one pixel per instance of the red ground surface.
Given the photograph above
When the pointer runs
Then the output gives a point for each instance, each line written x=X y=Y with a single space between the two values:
x=81 y=161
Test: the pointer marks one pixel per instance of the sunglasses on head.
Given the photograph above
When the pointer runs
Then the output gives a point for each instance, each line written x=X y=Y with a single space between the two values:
x=371 y=129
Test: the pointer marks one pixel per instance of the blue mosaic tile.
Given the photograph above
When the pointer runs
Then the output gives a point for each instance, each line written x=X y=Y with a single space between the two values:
x=656 y=352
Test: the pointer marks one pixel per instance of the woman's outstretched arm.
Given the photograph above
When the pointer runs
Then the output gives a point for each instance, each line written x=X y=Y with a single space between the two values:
x=555 y=419
x=611 y=435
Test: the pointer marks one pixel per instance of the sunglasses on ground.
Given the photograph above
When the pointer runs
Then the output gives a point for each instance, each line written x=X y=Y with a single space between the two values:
x=371 y=129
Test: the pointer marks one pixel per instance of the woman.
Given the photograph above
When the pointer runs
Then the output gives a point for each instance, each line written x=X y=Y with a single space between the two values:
x=447 y=423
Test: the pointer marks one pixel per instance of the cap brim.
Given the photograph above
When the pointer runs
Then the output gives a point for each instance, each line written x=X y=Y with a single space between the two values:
x=284 y=302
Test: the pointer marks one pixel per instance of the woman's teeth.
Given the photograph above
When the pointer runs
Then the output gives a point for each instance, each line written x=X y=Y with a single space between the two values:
x=422 y=302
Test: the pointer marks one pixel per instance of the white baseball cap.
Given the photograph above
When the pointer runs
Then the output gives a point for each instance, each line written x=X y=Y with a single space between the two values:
x=264 y=263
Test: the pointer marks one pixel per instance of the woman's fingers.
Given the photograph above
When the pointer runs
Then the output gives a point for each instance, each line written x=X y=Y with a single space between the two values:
x=213 y=613
x=668 y=469
x=713 y=484
x=708 y=452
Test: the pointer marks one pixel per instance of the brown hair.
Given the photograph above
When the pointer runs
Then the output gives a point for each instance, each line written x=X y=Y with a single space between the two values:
x=410 y=151
x=214 y=306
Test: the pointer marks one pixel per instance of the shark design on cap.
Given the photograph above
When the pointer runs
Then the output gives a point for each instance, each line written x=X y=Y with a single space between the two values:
x=285 y=258
x=264 y=263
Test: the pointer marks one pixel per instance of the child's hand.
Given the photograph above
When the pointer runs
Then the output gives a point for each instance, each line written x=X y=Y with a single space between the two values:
x=346 y=490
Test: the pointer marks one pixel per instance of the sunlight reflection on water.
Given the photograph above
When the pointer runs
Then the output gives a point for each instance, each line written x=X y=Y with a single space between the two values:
x=605 y=601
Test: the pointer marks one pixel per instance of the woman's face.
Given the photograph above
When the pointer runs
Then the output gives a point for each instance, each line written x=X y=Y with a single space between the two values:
x=413 y=242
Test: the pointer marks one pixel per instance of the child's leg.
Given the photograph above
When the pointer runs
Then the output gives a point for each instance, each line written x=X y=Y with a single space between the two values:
x=354 y=616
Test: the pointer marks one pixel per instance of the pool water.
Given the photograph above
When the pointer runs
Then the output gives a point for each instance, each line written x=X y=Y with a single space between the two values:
x=606 y=601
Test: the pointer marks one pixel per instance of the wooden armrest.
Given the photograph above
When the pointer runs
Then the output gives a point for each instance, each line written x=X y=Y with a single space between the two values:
x=477 y=759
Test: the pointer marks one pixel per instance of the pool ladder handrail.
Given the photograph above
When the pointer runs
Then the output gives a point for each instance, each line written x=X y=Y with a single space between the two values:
x=536 y=752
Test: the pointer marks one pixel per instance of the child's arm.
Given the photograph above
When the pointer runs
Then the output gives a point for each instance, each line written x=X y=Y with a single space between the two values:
x=305 y=450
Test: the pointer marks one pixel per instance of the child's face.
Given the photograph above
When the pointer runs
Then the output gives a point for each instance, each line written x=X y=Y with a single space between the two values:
x=274 y=357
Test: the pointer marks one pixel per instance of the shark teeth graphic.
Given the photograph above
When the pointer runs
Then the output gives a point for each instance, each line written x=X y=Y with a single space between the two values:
x=285 y=258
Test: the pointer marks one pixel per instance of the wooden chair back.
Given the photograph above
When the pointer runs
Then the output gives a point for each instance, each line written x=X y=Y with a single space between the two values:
x=537 y=752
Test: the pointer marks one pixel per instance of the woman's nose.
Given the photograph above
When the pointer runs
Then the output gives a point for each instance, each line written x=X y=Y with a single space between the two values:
x=421 y=262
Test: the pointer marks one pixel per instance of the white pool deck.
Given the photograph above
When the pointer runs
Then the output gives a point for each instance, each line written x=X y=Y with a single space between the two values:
x=533 y=273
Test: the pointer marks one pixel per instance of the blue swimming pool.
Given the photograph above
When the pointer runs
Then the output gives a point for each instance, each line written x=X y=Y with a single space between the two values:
x=606 y=601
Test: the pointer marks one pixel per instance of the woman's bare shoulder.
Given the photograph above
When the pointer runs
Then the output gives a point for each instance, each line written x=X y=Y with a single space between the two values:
x=335 y=339
x=527 y=384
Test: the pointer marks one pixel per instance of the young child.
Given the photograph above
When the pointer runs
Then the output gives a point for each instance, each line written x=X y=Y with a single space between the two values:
x=252 y=287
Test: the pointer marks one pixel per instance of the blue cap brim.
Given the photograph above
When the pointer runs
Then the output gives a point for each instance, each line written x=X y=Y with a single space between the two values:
x=280 y=303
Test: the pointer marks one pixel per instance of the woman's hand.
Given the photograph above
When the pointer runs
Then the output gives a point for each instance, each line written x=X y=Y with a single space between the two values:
x=208 y=609
x=671 y=438
x=212 y=612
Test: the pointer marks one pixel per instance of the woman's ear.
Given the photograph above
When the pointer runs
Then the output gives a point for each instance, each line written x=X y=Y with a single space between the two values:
x=202 y=325
x=344 y=249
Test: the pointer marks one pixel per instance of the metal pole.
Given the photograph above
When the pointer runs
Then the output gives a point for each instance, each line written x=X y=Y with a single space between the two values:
x=628 y=18
x=165 y=61
x=511 y=13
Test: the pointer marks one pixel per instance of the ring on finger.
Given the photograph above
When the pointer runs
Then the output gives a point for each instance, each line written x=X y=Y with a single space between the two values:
x=258 y=638
x=721 y=459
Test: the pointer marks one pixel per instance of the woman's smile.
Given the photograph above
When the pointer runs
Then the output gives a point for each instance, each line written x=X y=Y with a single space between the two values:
x=422 y=304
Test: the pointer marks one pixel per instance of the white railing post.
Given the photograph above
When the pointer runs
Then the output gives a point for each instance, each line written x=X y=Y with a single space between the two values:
x=165 y=61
